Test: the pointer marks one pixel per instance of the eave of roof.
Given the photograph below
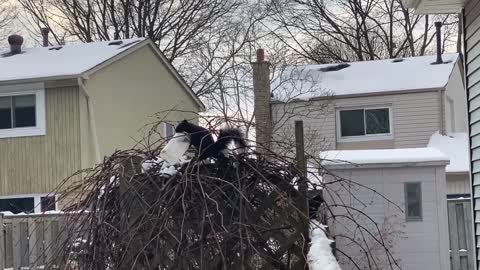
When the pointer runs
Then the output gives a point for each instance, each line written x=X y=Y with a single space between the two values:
x=135 y=47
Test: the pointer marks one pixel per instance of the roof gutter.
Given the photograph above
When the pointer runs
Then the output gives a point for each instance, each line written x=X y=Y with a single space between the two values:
x=382 y=93
x=386 y=165
x=91 y=121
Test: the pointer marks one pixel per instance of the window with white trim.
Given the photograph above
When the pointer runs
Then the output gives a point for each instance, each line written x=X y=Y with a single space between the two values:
x=27 y=204
x=22 y=114
x=17 y=111
x=364 y=122
x=413 y=201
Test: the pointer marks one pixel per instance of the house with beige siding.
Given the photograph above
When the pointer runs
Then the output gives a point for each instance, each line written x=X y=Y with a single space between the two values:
x=382 y=104
x=382 y=108
x=64 y=108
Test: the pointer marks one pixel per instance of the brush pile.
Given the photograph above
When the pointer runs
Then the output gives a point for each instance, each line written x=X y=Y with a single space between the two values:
x=135 y=212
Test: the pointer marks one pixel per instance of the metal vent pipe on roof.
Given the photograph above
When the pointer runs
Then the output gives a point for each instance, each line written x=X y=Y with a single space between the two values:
x=45 y=32
x=438 y=26
x=15 y=42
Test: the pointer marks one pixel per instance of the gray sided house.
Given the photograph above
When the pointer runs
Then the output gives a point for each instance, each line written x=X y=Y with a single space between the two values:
x=384 y=104
x=413 y=179
x=469 y=11
x=385 y=108
x=64 y=108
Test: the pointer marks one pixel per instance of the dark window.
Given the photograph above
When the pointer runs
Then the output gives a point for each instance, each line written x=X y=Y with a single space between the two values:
x=413 y=201
x=17 y=205
x=5 y=112
x=48 y=203
x=17 y=111
x=377 y=121
x=352 y=123
x=24 y=111
x=363 y=122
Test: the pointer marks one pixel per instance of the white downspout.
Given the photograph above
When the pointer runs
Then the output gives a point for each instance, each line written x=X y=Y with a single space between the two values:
x=91 y=121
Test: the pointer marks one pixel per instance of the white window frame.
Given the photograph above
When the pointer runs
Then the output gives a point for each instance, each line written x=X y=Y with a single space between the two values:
x=40 y=127
x=36 y=199
x=366 y=137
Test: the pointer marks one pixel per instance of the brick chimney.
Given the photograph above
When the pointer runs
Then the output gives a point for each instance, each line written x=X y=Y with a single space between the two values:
x=262 y=96
x=45 y=32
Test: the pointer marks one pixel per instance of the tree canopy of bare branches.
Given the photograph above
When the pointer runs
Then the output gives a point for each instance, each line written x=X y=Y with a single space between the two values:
x=356 y=30
x=8 y=13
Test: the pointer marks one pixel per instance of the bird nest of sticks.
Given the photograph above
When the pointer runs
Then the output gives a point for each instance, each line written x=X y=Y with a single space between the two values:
x=133 y=212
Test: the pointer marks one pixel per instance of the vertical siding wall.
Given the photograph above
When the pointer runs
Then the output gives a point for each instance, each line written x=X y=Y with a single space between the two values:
x=419 y=245
x=458 y=184
x=472 y=62
x=38 y=164
x=416 y=116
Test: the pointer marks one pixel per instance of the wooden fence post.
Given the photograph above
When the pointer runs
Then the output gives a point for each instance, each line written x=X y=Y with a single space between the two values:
x=302 y=186
x=129 y=204
x=2 y=243
x=16 y=244
x=33 y=255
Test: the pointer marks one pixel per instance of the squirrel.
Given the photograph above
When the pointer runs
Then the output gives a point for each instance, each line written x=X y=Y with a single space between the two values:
x=202 y=139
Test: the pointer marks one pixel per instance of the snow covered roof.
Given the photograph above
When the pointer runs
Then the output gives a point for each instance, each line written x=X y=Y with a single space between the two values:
x=60 y=61
x=73 y=61
x=367 y=77
x=382 y=156
x=455 y=146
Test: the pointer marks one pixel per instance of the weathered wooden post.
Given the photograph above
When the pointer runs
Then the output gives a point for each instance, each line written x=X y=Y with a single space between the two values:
x=129 y=204
x=302 y=186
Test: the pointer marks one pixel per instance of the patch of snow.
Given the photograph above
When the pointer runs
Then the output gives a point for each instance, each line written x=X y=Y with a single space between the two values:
x=314 y=176
x=175 y=148
x=148 y=164
x=320 y=256
x=309 y=81
x=43 y=62
x=113 y=180
x=169 y=170
x=455 y=146
x=381 y=156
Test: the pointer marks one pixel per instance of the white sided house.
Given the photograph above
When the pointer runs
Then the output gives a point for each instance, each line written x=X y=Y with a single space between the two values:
x=416 y=104
x=410 y=179
x=382 y=104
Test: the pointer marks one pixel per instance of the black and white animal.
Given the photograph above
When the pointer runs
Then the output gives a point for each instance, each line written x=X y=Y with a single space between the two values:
x=202 y=139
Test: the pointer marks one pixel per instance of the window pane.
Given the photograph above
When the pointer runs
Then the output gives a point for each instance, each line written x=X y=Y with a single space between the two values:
x=47 y=203
x=17 y=205
x=352 y=123
x=413 y=201
x=169 y=130
x=378 y=121
x=24 y=111
x=5 y=112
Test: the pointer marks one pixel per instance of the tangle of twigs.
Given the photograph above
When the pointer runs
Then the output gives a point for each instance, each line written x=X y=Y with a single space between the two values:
x=241 y=212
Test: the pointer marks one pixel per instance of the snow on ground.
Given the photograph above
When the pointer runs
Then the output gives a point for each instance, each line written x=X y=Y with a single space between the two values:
x=42 y=62
x=382 y=156
x=320 y=256
x=308 y=81
x=455 y=146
